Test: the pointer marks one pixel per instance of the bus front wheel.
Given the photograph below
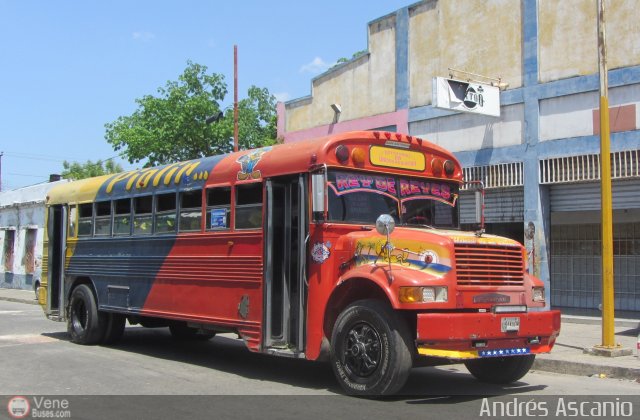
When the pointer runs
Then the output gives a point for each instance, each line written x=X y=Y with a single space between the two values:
x=500 y=370
x=85 y=324
x=370 y=349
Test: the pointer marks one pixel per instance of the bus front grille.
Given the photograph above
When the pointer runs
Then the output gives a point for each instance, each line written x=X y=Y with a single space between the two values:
x=489 y=265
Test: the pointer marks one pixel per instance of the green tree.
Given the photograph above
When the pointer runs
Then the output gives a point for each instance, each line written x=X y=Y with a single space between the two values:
x=77 y=170
x=353 y=57
x=172 y=126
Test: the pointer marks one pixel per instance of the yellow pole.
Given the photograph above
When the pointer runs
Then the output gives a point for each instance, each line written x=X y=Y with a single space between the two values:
x=608 y=305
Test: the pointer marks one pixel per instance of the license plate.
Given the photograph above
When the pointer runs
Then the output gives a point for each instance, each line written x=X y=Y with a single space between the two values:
x=510 y=324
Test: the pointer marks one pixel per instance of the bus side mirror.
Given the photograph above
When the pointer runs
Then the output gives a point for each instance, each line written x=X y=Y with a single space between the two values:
x=385 y=224
x=318 y=184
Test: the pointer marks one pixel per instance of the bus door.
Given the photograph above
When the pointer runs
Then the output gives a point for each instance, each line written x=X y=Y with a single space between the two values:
x=56 y=230
x=285 y=263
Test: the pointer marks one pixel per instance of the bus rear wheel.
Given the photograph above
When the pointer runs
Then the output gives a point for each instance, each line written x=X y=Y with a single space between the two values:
x=370 y=349
x=85 y=324
x=500 y=370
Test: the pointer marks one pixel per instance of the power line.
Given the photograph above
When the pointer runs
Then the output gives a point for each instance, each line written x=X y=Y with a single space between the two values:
x=29 y=175
x=33 y=156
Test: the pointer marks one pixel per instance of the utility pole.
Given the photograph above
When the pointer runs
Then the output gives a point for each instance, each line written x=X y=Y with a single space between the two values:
x=235 y=98
x=1 y=154
x=608 y=347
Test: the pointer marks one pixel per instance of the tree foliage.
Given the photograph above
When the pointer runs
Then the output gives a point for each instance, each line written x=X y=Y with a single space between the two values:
x=172 y=126
x=77 y=170
x=353 y=57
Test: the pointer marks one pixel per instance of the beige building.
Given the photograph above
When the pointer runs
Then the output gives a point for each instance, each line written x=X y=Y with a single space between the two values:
x=540 y=157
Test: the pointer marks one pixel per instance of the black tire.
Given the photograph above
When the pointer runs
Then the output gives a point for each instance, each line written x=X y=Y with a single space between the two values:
x=114 y=329
x=181 y=332
x=500 y=370
x=370 y=349
x=85 y=324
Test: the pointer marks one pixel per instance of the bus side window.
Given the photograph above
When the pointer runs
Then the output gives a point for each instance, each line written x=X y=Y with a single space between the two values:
x=122 y=217
x=142 y=215
x=249 y=206
x=85 y=219
x=73 y=220
x=103 y=218
x=165 y=219
x=218 y=208
x=190 y=211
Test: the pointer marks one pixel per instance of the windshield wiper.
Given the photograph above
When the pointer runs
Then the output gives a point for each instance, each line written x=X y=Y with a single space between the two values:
x=418 y=225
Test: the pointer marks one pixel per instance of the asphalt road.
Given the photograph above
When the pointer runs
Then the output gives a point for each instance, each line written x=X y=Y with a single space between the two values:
x=37 y=359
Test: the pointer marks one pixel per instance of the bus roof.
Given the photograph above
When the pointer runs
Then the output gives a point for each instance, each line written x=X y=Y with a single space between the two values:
x=360 y=150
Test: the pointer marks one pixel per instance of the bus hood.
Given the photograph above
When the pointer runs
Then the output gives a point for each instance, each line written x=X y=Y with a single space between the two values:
x=429 y=250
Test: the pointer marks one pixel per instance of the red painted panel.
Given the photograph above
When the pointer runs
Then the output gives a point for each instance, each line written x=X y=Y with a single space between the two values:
x=484 y=326
x=204 y=278
x=621 y=118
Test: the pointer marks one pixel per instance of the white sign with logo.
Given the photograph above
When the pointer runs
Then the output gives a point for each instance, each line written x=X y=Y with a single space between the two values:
x=456 y=95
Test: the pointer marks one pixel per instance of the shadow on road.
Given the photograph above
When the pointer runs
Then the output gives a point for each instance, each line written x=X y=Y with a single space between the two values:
x=428 y=385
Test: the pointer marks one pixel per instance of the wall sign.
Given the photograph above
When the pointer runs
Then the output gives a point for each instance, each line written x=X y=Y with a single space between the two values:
x=456 y=95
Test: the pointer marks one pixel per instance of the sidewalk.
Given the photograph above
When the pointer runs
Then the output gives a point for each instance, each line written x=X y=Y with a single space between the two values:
x=580 y=332
x=577 y=333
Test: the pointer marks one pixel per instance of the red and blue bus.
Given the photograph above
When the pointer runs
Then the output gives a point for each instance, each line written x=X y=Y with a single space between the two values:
x=344 y=248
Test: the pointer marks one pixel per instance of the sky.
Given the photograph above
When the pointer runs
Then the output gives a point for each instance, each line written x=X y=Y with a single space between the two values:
x=69 y=67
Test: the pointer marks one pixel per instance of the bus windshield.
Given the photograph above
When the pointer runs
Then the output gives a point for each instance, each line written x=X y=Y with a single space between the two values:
x=358 y=197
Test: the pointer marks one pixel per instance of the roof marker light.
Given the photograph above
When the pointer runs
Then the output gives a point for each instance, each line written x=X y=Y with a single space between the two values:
x=358 y=156
x=436 y=166
x=342 y=153
x=449 y=167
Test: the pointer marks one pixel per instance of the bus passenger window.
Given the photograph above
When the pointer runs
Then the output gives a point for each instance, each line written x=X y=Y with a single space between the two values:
x=249 y=206
x=142 y=215
x=85 y=219
x=218 y=208
x=165 y=221
x=73 y=220
x=122 y=217
x=190 y=211
x=103 y=219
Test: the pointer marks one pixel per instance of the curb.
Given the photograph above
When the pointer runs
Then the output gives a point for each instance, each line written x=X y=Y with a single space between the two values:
x=585 y=369
x=589 y=320
x=19 y=300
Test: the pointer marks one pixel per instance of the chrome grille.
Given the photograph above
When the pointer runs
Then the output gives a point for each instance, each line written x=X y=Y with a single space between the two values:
x=489 y=265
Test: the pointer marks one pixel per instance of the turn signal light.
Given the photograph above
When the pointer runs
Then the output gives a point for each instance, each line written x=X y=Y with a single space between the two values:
x=428 y=294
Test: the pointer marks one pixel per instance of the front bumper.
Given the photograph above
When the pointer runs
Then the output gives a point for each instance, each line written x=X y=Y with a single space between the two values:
x=474 y=335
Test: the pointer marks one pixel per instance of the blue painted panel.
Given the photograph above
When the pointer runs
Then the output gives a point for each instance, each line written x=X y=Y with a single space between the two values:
x=176 y=176
x=130 y=261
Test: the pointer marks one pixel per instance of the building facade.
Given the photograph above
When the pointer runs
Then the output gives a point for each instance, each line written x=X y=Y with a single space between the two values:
x=540 y=159
x=22 y=215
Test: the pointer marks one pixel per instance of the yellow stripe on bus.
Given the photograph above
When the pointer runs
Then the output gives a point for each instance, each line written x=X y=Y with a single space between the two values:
x=449 y=354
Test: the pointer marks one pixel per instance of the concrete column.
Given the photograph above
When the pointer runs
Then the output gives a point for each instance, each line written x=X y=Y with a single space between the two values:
x=536 y=197
x=402 y=59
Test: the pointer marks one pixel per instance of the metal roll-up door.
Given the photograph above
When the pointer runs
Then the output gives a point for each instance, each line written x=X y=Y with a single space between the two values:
x=586 y=196
x=502 y=205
